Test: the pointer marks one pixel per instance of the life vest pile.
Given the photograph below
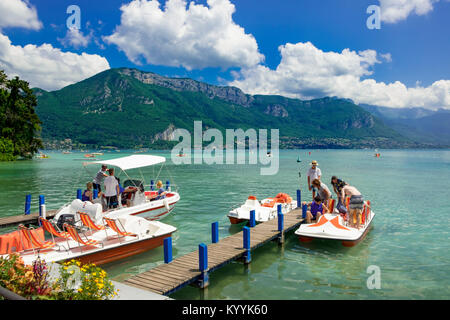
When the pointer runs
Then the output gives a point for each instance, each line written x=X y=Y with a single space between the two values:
x=280 y=198
x=15 y=242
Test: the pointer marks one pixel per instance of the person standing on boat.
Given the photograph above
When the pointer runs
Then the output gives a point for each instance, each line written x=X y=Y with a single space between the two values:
x=313 y=173
x=355 y=206
x=99 y=178
x=322 y=191
x=112 y=190
x=338 y=184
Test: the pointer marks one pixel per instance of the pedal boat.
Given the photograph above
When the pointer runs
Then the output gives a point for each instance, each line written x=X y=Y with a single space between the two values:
x=113 y=240
x=142 y=202
x=334 y=226
x=264 y=211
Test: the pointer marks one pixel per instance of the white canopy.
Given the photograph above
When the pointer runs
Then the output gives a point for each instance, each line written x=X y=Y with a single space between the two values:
x=132 y=162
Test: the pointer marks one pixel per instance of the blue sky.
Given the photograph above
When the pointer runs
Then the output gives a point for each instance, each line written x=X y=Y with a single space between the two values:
x=417 y=47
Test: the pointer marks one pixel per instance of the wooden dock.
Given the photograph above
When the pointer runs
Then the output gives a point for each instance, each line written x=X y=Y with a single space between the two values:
x=169 y=277
x=24 y=218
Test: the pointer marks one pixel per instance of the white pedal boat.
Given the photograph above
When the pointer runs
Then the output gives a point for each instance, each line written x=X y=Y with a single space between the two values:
x=332 y=226
x=264 y=211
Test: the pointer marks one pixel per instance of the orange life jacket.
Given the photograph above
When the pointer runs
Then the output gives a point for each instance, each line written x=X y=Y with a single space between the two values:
x=15 y=242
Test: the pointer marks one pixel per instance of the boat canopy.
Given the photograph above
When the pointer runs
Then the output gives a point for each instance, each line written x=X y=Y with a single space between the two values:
x=133 y=161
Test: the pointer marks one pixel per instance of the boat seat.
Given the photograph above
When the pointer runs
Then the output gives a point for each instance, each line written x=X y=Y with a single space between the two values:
x=50 y=228
x=77 y=237
x=35 y=242
x=113 y=225
x=87 y=221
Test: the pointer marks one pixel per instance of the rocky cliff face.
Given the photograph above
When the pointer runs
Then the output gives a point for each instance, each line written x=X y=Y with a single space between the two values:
x=276 y=111
x=166 y=135
x=230 y=94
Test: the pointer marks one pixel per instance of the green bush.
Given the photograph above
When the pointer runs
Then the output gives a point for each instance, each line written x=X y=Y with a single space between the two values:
x=6 y=150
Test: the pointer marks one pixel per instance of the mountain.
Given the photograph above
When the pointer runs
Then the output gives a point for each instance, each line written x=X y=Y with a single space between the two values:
x=128 y=108
x=425 y=126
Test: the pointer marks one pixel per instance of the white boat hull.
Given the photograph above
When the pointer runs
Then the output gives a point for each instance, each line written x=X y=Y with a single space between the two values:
x=150 y=210
x=150 y=234
x=262 y=213
x=333 y=227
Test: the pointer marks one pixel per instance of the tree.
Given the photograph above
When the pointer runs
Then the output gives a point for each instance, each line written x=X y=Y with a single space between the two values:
x=19 y=124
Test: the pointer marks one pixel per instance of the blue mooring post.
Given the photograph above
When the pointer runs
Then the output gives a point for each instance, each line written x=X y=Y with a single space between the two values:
x=304 y=209
x=299 y=198
x=280 y=216
x=95 y=195
x=167 y=185
x=27 y=203
x=215 y=232
x=252 y=218
x=41 y=203
x=168 y=250
x=152 y=184
x=247 y=255
x=203 y=265
x=79 y=194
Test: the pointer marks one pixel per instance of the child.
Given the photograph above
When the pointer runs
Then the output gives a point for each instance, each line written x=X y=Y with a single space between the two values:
x=316 y=210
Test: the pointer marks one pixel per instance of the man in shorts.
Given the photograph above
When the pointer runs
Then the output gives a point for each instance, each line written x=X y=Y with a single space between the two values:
x=356 y=204
x=112 y=190
x=313 y=173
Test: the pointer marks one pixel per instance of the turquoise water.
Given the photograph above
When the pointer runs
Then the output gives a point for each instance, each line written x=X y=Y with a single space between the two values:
x=409 y=242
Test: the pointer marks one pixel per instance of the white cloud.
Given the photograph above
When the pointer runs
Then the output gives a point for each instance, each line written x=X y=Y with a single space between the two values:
x=193 y=36
x=47 y=67
x=307 y=72
x=393 y=11
x=76 y=39
x=386 y=56
x=18 y=13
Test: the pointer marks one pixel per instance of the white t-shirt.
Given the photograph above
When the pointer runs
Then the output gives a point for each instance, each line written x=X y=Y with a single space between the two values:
x=111 y=186
x=324 y=191
x=314 y=174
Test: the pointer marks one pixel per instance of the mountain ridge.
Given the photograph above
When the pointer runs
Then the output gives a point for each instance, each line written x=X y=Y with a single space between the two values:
x=129 y=108
x=418 y=124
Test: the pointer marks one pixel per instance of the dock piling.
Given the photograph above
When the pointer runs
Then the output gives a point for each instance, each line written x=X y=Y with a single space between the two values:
x=304 y=209
x=167 y=185
x=168 y=250
x=252 y=218
x=215 y=232
x=41 y=208
x=280 y=224
x=152 y=184
x=27 y=203
x=299 y=198
x=247 y=255
x=203 y=265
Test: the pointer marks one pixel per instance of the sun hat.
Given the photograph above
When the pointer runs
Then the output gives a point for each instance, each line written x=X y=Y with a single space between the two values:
x=314 y=162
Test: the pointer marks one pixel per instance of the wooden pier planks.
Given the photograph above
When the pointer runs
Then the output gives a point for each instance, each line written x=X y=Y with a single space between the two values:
x=29 y=218
x=167 y=278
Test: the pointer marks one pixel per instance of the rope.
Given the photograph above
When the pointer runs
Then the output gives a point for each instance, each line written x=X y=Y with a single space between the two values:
x=173 y=180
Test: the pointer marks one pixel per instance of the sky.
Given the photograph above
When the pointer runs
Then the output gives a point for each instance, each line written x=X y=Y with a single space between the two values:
x=304 y=49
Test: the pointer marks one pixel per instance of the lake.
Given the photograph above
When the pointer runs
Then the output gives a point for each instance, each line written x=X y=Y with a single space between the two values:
x=409 y=241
